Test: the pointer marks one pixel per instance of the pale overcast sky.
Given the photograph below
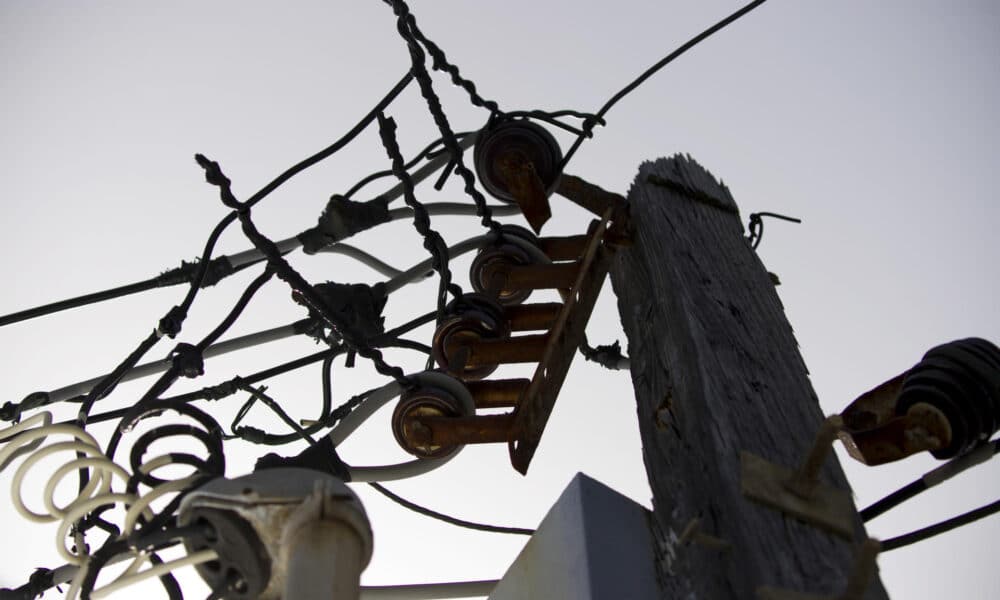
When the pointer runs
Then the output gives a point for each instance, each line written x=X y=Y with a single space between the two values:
x=873 y=122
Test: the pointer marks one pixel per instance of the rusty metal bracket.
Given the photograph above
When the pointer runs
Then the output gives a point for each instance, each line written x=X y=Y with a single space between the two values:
x=798 y=492
x=865 y=567
x=564 y=338
x=589 y=196
x=531 y=277
x=517 y=161
x=455 y=431
x=470 y=345
x=497 y=393
x=527 y=188
x=875 y=434
x=599 y=201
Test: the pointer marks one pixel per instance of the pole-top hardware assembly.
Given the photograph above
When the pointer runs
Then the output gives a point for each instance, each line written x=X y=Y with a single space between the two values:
x=477 y=335
x=267 y=528
x=518 y=161
x=948 y=404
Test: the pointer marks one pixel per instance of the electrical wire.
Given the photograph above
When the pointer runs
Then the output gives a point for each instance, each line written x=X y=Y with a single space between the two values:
x=939 y=475
x=140 y=546
x=942 y=527
x=406 y=25
x=141 y=525
x=429 y=591
x=447 y=519
x=361 y=409
x=26 y=437
x=455 y=209
x=433 y=242
x=188 y=359
x=756 y=226
x=306 y=293
x=195 y=558
x=333 y=148
x=75 y=390
x=227 y=388
x=54 y=307
x=285 y=246
x=416 y=272
x=599 y=115
x=429 y=152
x=171 y=323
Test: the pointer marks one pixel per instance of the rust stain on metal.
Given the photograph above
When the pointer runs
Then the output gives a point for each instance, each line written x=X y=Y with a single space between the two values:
x=600 y=201
x=520 y=349
x=591 y=197
x=470 y=347
x=531 y=277
x=519 y=175
x=564 y=248
x=875 y=434
x=497 y=393
x=446 y=431
x=533 y=317
x=875 y=406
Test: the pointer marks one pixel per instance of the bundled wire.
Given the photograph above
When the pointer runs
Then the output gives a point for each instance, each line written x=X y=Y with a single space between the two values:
x=979 y=455
x=144 y=531
x=285 y=272
x=406 y=24
x=439 y=60
x=26 y=439
x=433 y=242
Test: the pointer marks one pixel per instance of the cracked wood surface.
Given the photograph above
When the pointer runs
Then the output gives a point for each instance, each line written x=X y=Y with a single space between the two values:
x=716 y=370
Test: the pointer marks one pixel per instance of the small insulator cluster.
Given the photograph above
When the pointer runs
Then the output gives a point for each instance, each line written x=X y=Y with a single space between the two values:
x=961 y=379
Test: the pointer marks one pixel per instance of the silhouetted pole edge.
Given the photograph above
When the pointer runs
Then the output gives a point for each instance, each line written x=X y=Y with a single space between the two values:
x=716 y=371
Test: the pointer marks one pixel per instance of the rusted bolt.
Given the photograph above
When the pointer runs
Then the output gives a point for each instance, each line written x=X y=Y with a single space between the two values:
x=426 y=400
x=488 y=273
x=473 y=317
x=803 y=482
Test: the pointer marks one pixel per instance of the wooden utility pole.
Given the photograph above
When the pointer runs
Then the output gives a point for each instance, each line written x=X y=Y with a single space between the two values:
x=717 y=373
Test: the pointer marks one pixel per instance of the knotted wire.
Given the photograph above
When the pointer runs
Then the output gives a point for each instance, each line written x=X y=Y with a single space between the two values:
x=284 y=270
x=433 y=242
x=407 y=27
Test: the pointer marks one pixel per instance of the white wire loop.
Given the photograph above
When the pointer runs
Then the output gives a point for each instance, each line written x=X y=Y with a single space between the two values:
x=377 y=400
x=27 y=438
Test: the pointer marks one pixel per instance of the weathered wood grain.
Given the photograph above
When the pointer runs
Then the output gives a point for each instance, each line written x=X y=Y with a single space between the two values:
x=716 y=370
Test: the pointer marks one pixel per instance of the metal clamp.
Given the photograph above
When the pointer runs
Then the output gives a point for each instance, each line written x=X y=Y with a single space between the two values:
x=799 y=492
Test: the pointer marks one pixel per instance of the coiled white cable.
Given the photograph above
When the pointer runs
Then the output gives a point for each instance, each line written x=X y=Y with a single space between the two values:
x=27 y=436
x=22 y=439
